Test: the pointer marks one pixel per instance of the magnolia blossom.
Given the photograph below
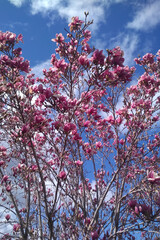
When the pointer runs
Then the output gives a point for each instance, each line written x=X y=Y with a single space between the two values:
x=8 y=188
x=62 y=175
x=132 y=203
x=145 y=209
x=99 y=145
x=78 y=163
x=59 y=38
x=7 y=217
x=5 y=178
x=94 y=235
x=75 y=24
x=153 y=178
x=16 y=227
x=2 y=148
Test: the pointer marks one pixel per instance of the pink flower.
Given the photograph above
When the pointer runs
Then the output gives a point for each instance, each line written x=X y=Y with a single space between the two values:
x=56 y=124
x=16 y=227
x=146 y=210
x=7 y=217
x=4 y=179
x=61 y=65
x=94 y=235
x=87 y=221
x=148 y=58
x=146 y=80
x=155 y=118
x=132 y=203
x=48 y=93
x=59 y=38
x=40 y=88
x=10 y=36
x=41 y=99
x=136 y=209
x=69 y=126
x=79 y=163
x=99 y=145
x=87 y=34
x=25 y=128
x=34 y=168
x=1 y=162
x=62 y=175
x=2 y=149
x=8 y=188
x=98 y=57
x=75 y=24
x=121 y=141
x=20 y=38
x=51 y=162
x=117 y=56
x=38 y=119
x=83 y=61
x=110 y=119
x=17 y=52
x=153 y=178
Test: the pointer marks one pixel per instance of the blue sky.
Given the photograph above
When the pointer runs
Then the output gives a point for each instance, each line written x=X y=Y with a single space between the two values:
x=131 y=24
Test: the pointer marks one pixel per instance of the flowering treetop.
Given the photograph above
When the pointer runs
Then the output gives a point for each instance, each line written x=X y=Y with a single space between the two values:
x=76 y=163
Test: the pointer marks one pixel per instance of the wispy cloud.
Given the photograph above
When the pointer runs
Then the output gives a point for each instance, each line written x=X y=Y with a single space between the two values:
x=45 y=6
x=96 y=10
x=13 y=25
x=146 y=17
x=70 y=8
x=38 y=69
x=128 y=42
x=17 y=3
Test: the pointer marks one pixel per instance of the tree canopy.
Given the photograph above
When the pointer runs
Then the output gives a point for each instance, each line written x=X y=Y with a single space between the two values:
x=79 y=148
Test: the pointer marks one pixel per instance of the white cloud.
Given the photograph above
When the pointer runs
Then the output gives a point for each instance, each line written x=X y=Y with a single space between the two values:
x=69 y=8
x=17 y=3
x=146 y=17
x=128 y=42
x=44 y=6
x=108 y=196
x=96 y=10
x=38 y=69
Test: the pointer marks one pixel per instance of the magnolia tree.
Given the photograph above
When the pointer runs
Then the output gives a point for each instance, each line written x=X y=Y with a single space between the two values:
x=79 y=154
